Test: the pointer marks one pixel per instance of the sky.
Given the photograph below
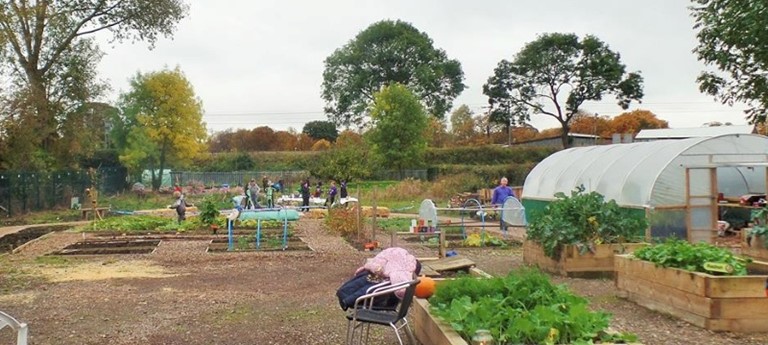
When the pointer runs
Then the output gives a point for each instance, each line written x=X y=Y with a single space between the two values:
x=260 y=63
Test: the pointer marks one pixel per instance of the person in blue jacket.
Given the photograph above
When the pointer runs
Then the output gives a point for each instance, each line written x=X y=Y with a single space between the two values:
x=501 y=193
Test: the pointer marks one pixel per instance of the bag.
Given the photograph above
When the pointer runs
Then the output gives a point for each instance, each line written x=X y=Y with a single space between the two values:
x=357 y=286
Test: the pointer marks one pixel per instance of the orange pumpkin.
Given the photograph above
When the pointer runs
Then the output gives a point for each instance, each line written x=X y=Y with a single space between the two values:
x=425 y=288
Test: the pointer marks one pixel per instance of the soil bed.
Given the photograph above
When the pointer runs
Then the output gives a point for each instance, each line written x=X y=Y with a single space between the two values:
x=12 y=241
x=130 y=246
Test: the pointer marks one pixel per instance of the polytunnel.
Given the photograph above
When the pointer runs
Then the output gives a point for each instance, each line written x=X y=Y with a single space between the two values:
x=683 y=186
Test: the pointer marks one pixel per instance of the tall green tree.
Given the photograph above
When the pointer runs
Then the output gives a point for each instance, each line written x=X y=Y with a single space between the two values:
x=385 y=53
x=733 y=38
x=46 y=49
x=555 y=65
x=321 y=130
x=162 y=123
x=399 y=123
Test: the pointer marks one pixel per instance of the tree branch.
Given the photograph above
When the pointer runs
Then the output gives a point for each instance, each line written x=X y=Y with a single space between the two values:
x=26 y=34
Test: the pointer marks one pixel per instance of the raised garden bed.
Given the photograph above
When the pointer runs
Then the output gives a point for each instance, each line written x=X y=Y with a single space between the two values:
x=430 y=330
x=717 y=303
x=221 y=245
x=12 y=241
x=572 y=263
x=110 y=247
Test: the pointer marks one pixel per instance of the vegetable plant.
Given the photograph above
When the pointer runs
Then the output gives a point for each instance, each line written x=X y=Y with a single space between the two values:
x=522 y=308
x=691 y=257
x=209 y=212
x=760 y=230
x=584 y=220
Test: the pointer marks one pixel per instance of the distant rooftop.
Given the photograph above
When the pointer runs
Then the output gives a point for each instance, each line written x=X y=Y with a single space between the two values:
x=695 y=132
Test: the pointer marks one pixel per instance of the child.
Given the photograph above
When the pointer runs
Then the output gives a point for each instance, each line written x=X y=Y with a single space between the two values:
x=269 y=191
x=331 y=195
x=319 y=190
x=305 y=195
x=343 y=193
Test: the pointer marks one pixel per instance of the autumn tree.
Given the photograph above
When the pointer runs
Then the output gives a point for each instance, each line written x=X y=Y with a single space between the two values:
x=463 y=124
x=536 y=81
x=163 y=118
x=732 y=37
x=50 y=55
x=285 y=141
x=399 y=122
x=591 y=124
x=350 y=158
x=385 y=53
x=437 y=132
x=321 y=130
x=636 y=120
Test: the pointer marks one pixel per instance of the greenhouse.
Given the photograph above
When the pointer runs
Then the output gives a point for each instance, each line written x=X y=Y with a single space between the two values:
x=683 y=186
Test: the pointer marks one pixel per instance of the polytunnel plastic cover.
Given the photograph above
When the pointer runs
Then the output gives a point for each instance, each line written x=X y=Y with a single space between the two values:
x=649 y=173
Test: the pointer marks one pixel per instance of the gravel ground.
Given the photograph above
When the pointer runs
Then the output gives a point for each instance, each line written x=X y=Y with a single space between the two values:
x=253 y=298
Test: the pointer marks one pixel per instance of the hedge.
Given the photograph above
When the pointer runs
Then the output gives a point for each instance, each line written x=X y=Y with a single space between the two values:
x=488 y=155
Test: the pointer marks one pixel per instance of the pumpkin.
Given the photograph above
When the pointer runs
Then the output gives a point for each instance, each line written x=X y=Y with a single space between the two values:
x=425 y=288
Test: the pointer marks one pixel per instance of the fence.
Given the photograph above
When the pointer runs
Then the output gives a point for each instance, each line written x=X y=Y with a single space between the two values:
x=235 y=178
x=25 y=191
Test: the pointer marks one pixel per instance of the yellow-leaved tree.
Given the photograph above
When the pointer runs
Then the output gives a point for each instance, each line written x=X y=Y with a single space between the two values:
x=160 y=123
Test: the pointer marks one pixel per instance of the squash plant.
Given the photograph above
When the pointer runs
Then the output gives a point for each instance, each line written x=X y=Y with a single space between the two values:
x=691 y=257
x=584 y=220
x=522 y=308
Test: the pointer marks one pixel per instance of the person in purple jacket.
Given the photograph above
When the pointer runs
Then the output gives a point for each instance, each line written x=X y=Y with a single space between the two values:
x=501 y=193
x=331 y=195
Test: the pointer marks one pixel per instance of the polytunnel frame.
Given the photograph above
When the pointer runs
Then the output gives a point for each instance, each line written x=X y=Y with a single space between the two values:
x=707 y=206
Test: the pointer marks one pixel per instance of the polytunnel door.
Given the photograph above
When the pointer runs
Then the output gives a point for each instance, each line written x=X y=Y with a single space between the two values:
x=701 y=204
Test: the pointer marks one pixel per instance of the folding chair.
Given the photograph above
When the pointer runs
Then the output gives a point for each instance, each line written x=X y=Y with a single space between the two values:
x=19 y=327
x=363 y=315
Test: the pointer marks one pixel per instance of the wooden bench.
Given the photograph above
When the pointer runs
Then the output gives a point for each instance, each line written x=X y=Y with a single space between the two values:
x=99 y=212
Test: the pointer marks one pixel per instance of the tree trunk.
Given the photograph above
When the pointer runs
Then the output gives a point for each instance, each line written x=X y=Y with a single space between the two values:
x=163 y=149
x=564 y=136
x=46 y=121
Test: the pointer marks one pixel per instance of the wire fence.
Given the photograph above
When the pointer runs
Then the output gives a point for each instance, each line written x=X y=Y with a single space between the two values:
x=26 y=191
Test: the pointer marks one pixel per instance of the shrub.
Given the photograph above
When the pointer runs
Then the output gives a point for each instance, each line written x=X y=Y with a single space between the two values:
x=342 y=221
x=584 y=220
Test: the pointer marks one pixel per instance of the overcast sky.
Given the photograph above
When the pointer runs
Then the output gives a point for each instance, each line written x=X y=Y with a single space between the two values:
x=256 y=63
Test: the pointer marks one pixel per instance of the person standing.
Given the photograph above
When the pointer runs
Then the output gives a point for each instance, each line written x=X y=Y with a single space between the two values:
x=269 y=193
x=343 y=193
x=254 y=190
x=331 y=194
x=501 y=193
x=319 y=190
x=304 y=195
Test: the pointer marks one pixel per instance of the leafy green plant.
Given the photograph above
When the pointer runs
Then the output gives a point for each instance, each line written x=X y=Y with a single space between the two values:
x=760 y=230
x=584 y=220
x=135 y=223
x=242 y=243
x=209 y=212
x=522 y=308
x=691 y=257
x=476 y=240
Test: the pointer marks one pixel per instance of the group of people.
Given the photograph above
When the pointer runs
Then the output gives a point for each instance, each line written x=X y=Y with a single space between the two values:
x=253 y=191
x=306 y=192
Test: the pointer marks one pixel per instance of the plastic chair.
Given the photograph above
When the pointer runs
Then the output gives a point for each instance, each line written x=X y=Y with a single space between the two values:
x=361 y=317
x=19 y=327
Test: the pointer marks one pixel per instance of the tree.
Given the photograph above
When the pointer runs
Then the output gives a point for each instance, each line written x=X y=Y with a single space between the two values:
x=385 y=53
x=164 y=121
x=399 y=124
x=636 y=120
x=463 y=124
x=437 y=132
x=551 y=66
x=321 y=145
x=591 y=124
x=321 y=130
x=47 y=49
x=732 y=38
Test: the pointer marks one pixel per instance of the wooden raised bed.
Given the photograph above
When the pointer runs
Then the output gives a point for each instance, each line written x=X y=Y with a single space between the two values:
x=572 y=263
x=717 y=303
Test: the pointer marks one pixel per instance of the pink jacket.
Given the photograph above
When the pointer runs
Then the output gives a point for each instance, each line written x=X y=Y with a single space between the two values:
x=394 y=263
